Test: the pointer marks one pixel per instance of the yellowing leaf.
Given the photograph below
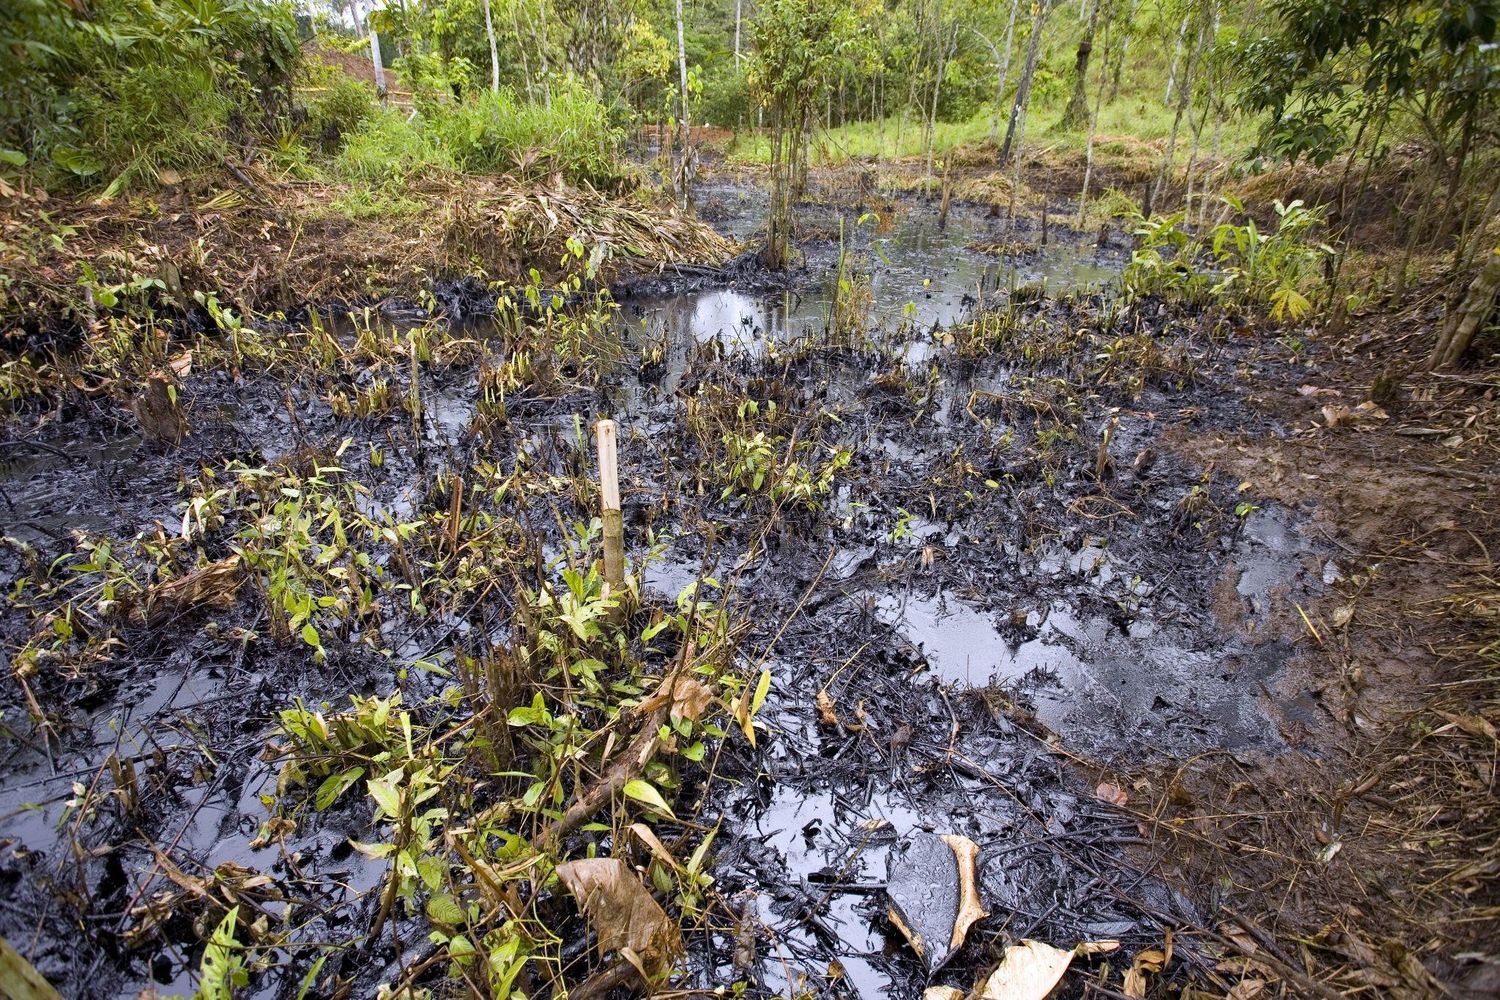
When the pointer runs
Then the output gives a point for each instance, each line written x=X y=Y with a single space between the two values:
x=762 y=689
x=644 y=791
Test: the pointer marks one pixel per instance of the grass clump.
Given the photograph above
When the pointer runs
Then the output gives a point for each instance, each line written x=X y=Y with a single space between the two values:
x=496 y=133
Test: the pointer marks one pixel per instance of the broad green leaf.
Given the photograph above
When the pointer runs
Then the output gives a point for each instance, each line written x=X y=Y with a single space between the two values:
x=386 y=795
x=644 y=791
x=334 y=786
x=444 y=909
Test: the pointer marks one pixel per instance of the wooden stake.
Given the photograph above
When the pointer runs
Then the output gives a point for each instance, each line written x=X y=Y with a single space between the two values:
x=947 y=194
x=609 y=504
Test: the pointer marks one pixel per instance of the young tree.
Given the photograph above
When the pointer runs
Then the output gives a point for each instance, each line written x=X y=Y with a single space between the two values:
x=1023 y=91
x=797 y=45
x=1077 y=111
x=1463 y=322
x=489 y=33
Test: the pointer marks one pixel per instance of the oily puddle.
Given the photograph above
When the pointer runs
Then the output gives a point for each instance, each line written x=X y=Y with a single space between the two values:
x=922 y=277
x=902 y=709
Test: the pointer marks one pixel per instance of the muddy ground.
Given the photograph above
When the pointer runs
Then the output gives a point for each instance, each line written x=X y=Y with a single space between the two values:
x=1078 y=595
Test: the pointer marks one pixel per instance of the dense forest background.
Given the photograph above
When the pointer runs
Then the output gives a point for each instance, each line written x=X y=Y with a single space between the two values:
x=1396 y=99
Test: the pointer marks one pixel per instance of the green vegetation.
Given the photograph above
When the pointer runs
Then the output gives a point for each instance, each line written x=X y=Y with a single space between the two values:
x=1234 y=264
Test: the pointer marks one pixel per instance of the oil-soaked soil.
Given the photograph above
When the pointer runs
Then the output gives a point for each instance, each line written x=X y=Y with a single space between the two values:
x=992 y=620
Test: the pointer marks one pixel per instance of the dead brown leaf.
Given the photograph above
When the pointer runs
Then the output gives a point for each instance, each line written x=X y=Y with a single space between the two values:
x=1112 y=794
x=214 y=585
x=624 y=915
x=1028 y=971
x=826 y=714
x=690 y=698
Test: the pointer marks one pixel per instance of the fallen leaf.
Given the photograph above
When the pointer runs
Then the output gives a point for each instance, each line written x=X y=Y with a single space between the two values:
x=1147 y=962
x=215 y=585
x=182 y=364
x=1246 y=989
x=1337 y=416
x=690 y=698
x=623 y=913
x=1474 y=725
x=1112 y=794
x=934 y=895
x=1028 y=971
x=1315 y=390
x=943 y=993
x=1087 y=949
x=826 y=714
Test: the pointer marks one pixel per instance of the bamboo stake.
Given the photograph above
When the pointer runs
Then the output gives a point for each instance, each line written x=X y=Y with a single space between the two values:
x=609 y=504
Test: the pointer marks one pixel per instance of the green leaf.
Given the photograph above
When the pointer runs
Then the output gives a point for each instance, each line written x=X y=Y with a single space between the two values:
x=386 y=795
x=14 y=157
x=77 y=161
x=334 y=786
x=644 y=791
x=444 y=909
x=762 y=689
x=310 y=636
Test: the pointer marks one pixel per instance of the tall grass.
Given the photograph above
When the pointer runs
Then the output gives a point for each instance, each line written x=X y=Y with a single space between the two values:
x=499 y=133
x=389 y=146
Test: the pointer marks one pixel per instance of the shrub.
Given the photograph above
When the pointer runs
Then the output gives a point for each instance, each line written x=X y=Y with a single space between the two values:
x=145 y=119
x=1239 y=265
x=338 y=111
x=128 y=88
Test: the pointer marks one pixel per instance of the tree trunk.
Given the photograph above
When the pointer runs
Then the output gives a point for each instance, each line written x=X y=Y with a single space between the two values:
x=1459 y=329
x=683 y=124
x=541 y=48
x=1003 y=71
x=489 y=31
x=1184 y=94
x=737 y=4
x=937 y=88
x=1176 y=58
x=778 y=218
x=1023 y=91
x=515 y=21
x=375 y=61
x=1088 y=160
x=1077 y=111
